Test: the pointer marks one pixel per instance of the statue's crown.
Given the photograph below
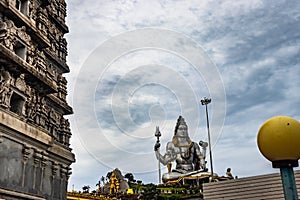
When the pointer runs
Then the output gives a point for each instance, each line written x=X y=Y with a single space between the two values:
x=180 y=121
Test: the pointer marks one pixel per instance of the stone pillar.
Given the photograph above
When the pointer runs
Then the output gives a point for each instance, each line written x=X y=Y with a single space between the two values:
x=26 y=153
x=54 y=171
x=65 y=172
x=43 y=166
x=37 y=158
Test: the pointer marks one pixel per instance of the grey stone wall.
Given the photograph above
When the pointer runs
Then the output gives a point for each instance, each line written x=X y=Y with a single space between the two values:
x=29 y=170
x=11 y=164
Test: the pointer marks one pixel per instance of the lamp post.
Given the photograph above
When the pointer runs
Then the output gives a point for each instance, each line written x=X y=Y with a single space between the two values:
x=279 y=140
x=206 y=101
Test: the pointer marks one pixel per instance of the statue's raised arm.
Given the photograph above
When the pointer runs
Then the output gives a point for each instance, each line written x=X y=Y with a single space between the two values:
x=168 y=157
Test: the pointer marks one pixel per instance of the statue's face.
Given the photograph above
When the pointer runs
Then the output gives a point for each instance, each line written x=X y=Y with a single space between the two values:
x=182 y=131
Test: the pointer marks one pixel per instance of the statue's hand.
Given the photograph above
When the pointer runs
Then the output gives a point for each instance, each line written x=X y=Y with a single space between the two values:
x=203 y=144
x=156 y=146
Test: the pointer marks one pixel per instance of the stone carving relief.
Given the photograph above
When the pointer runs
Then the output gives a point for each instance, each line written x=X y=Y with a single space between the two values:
x=54 y=37
x=5 y=89
x=18 y=41
x=57 y=9
x=65 y=132
x=37 y=59
x=13 y=92
x=36 y=110
x=7 y=33
x=32 y=7
x=20 y=83
x=40 y=114
x=53 y=123
x=62 y=87
x=58 y=42
x=63 y=49
x=30 y=54
x=21 y=33
x=31 y=109
x=13 y=37
x=39 y=62
x=42 y=21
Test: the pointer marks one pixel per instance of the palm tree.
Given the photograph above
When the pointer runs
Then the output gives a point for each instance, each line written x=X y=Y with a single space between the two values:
x=103 y=179
x=99 y=187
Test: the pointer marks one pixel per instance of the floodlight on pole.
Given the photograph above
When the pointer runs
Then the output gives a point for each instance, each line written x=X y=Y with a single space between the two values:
x=206 y=101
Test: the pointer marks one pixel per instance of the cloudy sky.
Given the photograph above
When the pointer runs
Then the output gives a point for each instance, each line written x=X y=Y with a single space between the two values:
x=137 y=64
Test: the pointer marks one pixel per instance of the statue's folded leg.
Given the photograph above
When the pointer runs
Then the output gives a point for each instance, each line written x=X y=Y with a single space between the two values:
x=171 y=176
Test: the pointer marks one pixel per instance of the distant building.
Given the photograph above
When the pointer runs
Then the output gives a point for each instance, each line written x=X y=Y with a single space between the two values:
x=35 y=154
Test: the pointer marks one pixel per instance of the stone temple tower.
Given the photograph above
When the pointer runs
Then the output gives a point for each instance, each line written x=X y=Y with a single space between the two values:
x=35 y=153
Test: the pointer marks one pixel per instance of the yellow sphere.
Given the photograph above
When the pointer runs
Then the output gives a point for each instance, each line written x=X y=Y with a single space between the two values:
x=278 y=139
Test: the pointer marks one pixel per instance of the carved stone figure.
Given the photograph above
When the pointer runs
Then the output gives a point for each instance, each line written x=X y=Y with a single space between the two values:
x=64 y=132
x=22 y=35
x=31 y=108
x=6 y=36
x=5 y=90
x=42 y=114
x=189 y=159
x=20 y=83
x=39 y=62
x=32 y=7
x=10 y=34
x=5 y=94
x=31 y=54
x=53 y=123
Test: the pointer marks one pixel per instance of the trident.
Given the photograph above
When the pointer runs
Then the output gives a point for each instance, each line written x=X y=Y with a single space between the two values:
x=158 y=134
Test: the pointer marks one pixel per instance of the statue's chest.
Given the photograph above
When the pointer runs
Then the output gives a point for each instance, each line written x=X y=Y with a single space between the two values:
x=184 y=152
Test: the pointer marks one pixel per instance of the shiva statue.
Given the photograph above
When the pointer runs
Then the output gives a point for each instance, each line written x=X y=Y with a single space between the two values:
x=190 y=160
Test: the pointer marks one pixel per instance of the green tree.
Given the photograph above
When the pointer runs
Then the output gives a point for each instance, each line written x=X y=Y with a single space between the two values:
x=130 y=178
x=86 y=188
